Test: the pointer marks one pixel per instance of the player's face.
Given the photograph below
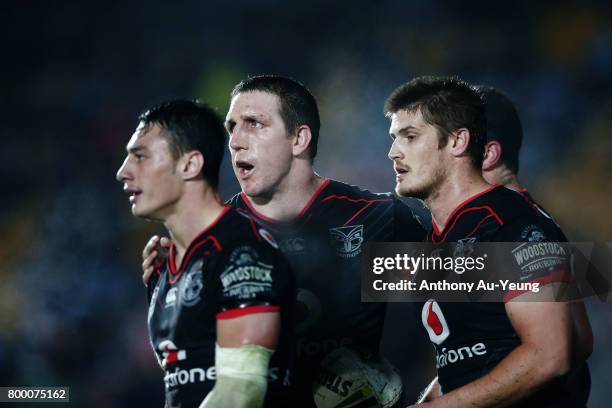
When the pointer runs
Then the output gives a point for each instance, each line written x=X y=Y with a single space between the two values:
x=260 y=146
x=149 y=174
x=418 y=160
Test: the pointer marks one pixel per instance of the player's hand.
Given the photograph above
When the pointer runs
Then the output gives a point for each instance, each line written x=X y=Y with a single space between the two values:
x=153 y=256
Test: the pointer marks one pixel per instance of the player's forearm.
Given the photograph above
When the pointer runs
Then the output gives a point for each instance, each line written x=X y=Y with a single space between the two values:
x=582 y=333
x=517 y=376
x=431 y=392
x=242 y=377
x=236 y=393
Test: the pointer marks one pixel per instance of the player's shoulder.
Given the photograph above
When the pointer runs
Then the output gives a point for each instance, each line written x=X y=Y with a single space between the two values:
x=343 y=191
x=242 y=229
x=522 y=221
x=507 y=204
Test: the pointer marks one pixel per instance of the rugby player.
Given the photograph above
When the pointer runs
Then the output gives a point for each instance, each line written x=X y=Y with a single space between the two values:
x=524 y=348
x=500 y=165
x=321 y=224
x=221 y=307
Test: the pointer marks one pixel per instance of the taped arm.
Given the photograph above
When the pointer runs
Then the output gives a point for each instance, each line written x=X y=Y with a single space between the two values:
x=245 y=345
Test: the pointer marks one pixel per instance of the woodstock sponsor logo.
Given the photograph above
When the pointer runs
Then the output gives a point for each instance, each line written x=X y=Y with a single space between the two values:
x=527 y=252
x=260 y=272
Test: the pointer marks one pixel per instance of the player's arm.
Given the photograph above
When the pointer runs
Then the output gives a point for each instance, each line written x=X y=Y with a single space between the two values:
x=249 y=323
x=543 y=355
x=431 y=392
x=581 y=332
x=408 y=222
x=244 y=347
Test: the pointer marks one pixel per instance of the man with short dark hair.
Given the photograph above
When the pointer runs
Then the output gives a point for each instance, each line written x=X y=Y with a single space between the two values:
x=438 y=130
x=321 y=224
x=221 y=306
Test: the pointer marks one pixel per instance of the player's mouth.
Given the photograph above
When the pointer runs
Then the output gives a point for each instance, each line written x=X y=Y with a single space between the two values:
x=133 y=193
x=400 y=171
x=245 y=169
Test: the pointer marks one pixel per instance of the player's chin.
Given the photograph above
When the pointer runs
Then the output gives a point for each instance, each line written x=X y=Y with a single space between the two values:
x=250 y=188
x=404 y=190
x=141 y=212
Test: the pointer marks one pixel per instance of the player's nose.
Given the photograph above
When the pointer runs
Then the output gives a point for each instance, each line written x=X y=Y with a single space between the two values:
x=394 y=152
x=123 y=173
x=237 y=140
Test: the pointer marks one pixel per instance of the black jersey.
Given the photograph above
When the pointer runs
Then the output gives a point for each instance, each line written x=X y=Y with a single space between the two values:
x=231 y=269
x=579 y=379
x=324 y=245
x=472 y=338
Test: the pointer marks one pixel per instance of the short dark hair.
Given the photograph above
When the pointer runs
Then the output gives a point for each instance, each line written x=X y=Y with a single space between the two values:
x=448 y=104
x=191 y=125
x=297 y=105
x=503 y=125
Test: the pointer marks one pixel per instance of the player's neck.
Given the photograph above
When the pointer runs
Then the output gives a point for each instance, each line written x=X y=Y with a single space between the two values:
x=193 y=213
x=290 y=197
x=453 y=191
x=511 y=182
x=504 y=176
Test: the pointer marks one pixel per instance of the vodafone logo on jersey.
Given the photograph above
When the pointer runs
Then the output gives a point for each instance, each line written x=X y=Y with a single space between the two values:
x=434 y=322
x=170 y=353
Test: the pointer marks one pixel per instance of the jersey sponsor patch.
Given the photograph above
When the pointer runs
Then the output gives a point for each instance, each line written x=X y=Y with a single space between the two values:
x=537 y=257
x=347 y=240
x=246 y=276
x=308 y=310
x=533 y=233
x=434 y=322
x=265 y=234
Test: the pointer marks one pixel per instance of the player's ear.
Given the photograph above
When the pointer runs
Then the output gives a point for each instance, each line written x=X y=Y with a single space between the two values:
x=492 y=155
x=460 y=140
x=191 y=165
x=301 y=140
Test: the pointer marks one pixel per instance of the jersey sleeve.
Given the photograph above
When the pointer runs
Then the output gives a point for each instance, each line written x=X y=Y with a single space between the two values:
x=254 y=277
x=539 y=253
x=407 y=223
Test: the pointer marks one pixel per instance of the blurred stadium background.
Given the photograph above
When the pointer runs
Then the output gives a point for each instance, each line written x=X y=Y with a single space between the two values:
x=76 y=74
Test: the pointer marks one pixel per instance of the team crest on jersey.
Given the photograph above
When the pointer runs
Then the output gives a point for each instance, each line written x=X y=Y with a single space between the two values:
x=347 y=240
x=464 y=247
x=192 y=285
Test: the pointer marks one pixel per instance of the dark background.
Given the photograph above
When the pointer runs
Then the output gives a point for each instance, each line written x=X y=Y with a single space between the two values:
x=76 y=74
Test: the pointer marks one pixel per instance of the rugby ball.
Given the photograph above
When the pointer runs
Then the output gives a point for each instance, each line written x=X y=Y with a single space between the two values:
x=355 y=377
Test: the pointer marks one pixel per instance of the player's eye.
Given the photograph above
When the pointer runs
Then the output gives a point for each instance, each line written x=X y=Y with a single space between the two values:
x=254 y=124
x=139 y=157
